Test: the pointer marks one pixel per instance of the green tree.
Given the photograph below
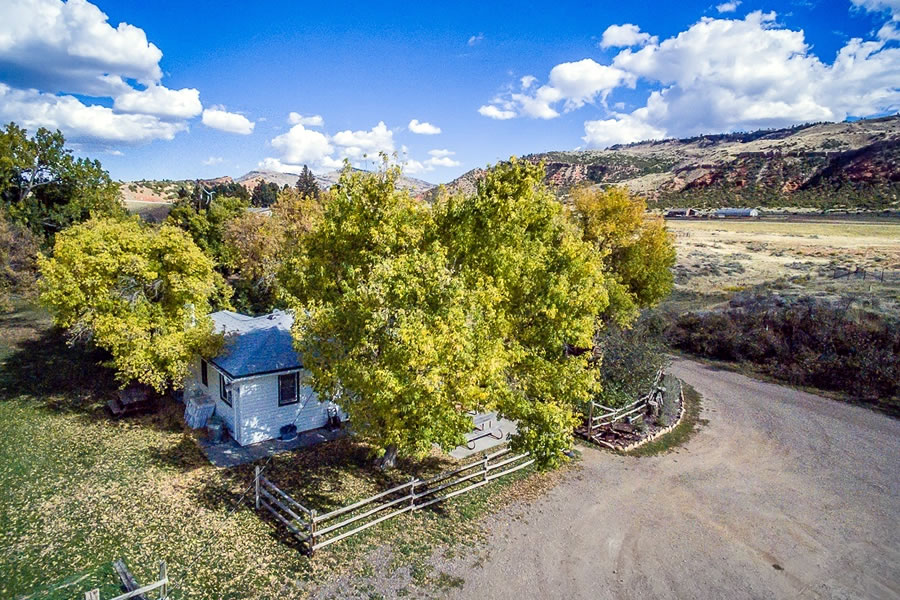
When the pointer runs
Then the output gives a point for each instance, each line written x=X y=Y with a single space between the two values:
x=140 y=292
x=307 y=184
x=542 y=289
x=415 y=315
x=206 y=226
x=43 y=186
x=264 y=194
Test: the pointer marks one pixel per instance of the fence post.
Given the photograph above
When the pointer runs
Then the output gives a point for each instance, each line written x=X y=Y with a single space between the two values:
x=312 y=532
x=484 y=467
x=591 y=421
x=93 y=594
x=412 y=492
x=164 y=577
x=256 y=483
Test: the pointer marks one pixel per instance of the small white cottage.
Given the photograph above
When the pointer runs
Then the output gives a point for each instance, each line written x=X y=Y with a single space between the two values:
x=256 y=383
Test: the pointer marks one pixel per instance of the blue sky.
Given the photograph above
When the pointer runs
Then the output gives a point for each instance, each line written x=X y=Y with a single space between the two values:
x=595 y=74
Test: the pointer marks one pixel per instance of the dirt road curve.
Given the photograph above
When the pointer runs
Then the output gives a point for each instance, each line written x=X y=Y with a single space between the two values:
x=777 y=477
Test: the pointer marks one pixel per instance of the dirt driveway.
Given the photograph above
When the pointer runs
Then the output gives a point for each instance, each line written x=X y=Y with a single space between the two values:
x=782 y=495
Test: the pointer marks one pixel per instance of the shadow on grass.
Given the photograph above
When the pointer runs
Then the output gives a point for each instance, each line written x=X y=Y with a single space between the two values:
x=58 y=377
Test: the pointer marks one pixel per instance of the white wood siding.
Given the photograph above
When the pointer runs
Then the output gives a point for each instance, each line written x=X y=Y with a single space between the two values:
x=262 y=418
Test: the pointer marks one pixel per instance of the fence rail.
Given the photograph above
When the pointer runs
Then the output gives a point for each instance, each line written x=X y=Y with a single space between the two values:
x=316 y=530
x=600 y=415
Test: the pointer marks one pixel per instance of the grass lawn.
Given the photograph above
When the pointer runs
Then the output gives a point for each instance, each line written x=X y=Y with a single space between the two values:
x=80 y=490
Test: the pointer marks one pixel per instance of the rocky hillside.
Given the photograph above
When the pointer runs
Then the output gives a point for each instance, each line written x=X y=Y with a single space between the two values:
x=828 y=165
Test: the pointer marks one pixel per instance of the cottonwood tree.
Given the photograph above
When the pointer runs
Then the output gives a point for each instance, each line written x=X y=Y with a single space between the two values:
x=381 y=320
x=542 y=289
x=636 y=248
x=43 y=186
x=142 y=293
x=207 y=226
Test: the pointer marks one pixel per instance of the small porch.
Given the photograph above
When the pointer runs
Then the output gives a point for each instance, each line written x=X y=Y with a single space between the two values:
x=228 y=453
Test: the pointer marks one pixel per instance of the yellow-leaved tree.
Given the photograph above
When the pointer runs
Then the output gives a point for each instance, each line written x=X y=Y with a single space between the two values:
x=142 y=293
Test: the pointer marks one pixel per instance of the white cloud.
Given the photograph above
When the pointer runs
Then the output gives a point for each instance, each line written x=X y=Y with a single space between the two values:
x=727 y=7
x=436 y=158
x=423 y=128
x=213 y=160
x=489 y=110
x=475 y=39
x=310 y=121
x=354 y=144
x=572 y=83
x=527 y=81
x=440 y=153
x=81 y=122
x=623 y=36
x=622 y=130
x=301 y=146
x=890 y=31
x=70 y=47
x=160 y=101
x=744 y=74
x=219 y=118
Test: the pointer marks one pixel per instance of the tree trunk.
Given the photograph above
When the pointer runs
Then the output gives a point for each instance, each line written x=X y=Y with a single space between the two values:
x=389 y=460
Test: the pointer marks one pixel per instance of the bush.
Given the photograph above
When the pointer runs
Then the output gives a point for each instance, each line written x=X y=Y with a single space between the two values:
x=805 y=341
x=630 y=359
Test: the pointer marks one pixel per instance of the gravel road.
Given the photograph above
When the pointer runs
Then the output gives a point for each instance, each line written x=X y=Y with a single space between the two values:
x=782 y=495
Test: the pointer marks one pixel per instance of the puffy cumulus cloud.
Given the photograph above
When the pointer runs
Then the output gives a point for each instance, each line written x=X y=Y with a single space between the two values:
x=423 y=128
x=82 y=123
x=475 y=39
x=623 y=36
x=70 y=47
x=527 y=81
x=310 y=121
x=219 y=118
x=54 y=54
x=160 y=101
x=728 y=7
x=301 y=146
x=744 y=74
x=623 y=129
x=573 y=84
x=354 y=144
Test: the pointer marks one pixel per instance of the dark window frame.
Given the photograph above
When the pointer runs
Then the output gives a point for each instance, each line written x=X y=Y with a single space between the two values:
x=204 y=372
x=296 y=395
x=224 y=395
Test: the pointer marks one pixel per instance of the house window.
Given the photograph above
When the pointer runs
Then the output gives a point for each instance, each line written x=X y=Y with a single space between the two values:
x=204 y=373
x=224 y=394
x=287 y=389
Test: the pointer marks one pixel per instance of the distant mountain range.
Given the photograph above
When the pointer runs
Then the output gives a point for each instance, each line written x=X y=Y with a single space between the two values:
x=827 y=165
x=823 y=165
x=166 y=190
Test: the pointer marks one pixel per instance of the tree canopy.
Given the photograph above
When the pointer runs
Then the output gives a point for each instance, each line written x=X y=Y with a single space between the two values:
x=415 y=314
x=143 y=293
x=44 y=187
x=637 y=250
x=206 y=222
x=264 y=194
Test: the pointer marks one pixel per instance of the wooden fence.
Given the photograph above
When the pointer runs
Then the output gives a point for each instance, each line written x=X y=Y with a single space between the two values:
x=864 y=274
x=601 y=416
x=130 y=584
x=319 y=530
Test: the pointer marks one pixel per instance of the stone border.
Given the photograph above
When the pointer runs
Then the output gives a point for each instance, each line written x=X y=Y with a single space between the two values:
x=661 y=432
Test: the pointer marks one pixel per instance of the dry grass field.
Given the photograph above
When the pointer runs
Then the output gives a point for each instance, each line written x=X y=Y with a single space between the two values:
x=719 y=257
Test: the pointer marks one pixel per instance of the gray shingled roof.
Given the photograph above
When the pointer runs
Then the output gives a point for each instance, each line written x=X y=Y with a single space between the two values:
x=255 y=345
